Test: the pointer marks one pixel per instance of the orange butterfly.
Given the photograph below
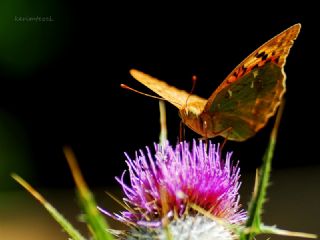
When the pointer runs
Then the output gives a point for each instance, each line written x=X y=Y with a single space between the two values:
x=243 y=102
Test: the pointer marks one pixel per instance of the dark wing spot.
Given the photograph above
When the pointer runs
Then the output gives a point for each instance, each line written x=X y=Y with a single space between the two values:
x=260 y=55
x=269 y=60
x=255 y=66
x=264 y=57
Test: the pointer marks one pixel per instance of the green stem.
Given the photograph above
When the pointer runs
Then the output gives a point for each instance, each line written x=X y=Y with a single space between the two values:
x=259 y=195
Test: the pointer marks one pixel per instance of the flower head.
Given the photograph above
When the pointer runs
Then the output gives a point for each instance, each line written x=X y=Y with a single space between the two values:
x=164 y=185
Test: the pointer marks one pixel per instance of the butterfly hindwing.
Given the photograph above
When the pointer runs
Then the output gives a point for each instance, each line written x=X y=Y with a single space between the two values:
x=246 y=111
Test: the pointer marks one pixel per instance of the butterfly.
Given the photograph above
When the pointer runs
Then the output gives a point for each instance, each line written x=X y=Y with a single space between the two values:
x=243 y=102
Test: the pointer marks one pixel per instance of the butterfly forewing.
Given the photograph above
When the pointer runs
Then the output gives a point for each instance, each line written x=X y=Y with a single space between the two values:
x=177 y=97
x=276 y=50
x=251 y=93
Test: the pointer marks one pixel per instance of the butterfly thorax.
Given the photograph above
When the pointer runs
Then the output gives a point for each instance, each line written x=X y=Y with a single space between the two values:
x=193 y=116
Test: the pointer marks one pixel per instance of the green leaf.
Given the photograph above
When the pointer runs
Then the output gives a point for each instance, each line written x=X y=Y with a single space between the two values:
x=96 y=222
x=64 y=223
x=274 y=230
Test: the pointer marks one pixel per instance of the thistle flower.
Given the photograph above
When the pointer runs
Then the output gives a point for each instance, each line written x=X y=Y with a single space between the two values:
x=163 y=187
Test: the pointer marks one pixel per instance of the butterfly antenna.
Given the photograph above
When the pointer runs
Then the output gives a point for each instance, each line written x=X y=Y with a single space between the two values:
x=142 y=93
x=194 y=80
x=145 y=94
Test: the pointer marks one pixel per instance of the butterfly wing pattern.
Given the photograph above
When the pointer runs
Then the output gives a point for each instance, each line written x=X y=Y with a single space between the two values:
x=251 y=93
x=243 y=102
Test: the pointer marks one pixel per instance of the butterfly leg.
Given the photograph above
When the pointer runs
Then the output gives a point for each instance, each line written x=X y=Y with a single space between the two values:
x=181 y=131
x=228 y=130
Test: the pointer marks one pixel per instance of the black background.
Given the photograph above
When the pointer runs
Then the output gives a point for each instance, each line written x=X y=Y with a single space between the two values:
x=75 y=97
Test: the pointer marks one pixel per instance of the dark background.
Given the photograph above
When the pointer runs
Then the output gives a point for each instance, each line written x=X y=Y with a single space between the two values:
x=60 y=85
x=60 y=82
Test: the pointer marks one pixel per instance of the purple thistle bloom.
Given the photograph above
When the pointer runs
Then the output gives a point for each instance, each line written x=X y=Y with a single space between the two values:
x=163 y=185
